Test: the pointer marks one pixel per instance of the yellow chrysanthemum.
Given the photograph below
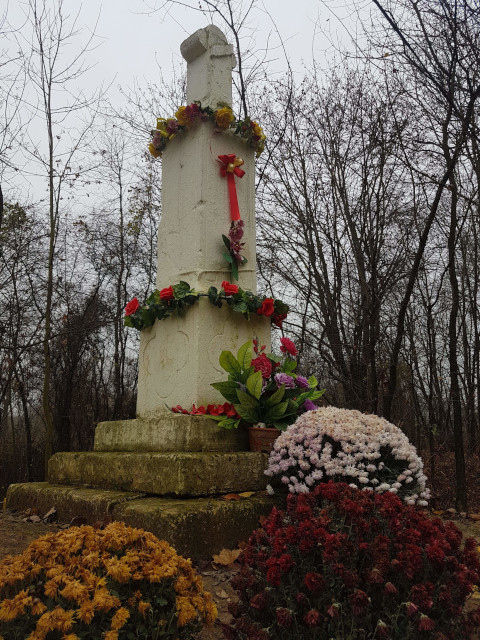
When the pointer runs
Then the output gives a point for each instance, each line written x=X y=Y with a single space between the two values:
x=186 y=611
x=111 y=635
x=224 y=117
x=182 y=117
x=118 y=570
x=120 y=618
x=75 y=590
x=37 y=607
x=153 y=151
x=257 y=129
x=71 y=636
x=143 y=607
x=86 y=612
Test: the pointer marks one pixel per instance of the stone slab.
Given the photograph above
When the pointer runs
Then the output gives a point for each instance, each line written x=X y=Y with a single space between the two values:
x=178 y=474
x=197 y=528
x=168 y=432
x=70 y=502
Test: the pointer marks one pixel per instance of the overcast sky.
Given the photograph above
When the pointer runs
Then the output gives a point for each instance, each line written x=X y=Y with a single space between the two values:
x=133 y=40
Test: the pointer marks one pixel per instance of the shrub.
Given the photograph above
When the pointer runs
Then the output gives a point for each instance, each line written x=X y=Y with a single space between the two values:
x=341 y=563
x=348 y=446
x=87 y=584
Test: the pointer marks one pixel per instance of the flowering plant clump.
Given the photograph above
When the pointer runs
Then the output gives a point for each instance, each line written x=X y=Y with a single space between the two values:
x=176 y=298
x=85 y=583
x=348 y=446
x=344 y=563
x=223 y=119
x=263 y=388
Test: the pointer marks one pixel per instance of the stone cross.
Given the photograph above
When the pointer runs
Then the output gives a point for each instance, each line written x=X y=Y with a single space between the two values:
x=179 y=356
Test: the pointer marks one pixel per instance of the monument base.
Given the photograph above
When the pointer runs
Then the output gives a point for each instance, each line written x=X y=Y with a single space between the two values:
x=196 y=528
x=167 y=431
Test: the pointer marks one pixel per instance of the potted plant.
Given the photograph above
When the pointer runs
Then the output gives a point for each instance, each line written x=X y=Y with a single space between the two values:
x=265 y=391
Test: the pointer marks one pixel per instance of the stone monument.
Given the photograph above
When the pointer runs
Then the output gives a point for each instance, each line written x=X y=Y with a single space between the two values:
x=163 y=471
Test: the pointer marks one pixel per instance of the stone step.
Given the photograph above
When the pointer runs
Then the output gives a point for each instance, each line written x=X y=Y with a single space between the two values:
x=196 y=528
x=168 y=431
x=176 y=474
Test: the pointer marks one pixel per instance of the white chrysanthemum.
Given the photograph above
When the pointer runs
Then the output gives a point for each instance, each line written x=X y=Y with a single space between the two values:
x=341 y=444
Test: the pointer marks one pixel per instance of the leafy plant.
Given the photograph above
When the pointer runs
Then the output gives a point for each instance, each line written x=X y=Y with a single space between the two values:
x=264 y=389
x=90 y=583
x=341 y=563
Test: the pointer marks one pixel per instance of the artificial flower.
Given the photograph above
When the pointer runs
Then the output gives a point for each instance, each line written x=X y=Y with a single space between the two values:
x=287 y=346
x=224 y=117
x=267 y=308
x=229 y=289
x=131 y=307
x=167 y=293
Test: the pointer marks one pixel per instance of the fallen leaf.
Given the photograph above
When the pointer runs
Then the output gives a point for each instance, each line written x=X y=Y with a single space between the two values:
x=222 y=594
x=227 y=556
x=451 y=510
x=438 y=512
x=50 y=516
x=474 y=516
x=77 y=521
x=231 y=496
x=247 y=494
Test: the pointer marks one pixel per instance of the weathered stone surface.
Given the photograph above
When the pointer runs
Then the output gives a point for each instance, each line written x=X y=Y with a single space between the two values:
x=196 y=528
x=91 y=504
x=168 y=432
x=179 y=474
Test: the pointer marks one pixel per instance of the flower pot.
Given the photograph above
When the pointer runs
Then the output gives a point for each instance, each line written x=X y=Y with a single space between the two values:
x=261 y=438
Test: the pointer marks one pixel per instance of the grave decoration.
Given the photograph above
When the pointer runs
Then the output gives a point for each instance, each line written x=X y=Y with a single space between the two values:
x=263 y=389
x=177 y=298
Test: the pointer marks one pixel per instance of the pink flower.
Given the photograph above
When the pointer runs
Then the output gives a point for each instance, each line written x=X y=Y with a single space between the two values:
x=131 y=307
x=287 y=346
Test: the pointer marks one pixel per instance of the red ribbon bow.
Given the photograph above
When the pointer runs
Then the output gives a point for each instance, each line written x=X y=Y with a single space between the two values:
x=230 y=167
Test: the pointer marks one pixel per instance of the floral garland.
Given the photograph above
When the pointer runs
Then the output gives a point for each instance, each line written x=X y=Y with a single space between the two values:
x=222 y=118
x=175 y=298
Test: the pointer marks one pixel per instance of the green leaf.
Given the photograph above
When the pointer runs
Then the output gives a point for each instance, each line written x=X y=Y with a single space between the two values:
x=234 y=269
x=246 y=400
x=247 y=413
x=281 y=426
x=254 y=384
x=318 y=393
x=181 y=289
x=273 y=357
x=228 y=258
x=276 y=397
x=229 y=423
x=275 y=413
x=241 y=307
x=289 y=366
x=312 y=381
x=245 y=355
x=226 y=241
x=227 y=389
x=127 y=322
x=228 y=362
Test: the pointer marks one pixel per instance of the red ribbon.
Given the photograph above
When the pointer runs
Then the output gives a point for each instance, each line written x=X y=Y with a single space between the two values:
x=230 y=167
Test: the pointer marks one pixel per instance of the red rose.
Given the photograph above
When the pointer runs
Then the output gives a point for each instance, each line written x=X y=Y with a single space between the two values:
x=278 y=318
x=263 y=364
x=267 y=308
x=131 y=307
x=167 y=294
x=229 y=289
x=287 y=346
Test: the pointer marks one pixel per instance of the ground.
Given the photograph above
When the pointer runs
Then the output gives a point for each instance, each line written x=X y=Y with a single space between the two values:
x=18 y=530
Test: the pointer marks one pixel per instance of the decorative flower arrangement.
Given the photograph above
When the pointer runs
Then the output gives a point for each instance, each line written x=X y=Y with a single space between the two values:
x=178 y=297
x=263 y=388
x=87 y=583
x=344 y=563
x=348 y=446
x=234 y=246
x=187 y=117
x=226 y=410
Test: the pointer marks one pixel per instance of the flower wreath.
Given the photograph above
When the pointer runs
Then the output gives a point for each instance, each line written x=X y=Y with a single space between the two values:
x=222 y=118
x=178 y=297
